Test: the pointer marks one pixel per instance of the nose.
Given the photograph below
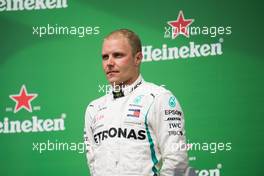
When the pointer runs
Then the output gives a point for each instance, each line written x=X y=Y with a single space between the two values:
x=110 y=61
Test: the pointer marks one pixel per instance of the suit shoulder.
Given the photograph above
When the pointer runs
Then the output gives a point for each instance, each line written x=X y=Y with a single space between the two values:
x=96 y=104
x=156 y=89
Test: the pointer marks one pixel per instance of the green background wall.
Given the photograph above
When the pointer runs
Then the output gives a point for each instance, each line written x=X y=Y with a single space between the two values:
x=221 y=96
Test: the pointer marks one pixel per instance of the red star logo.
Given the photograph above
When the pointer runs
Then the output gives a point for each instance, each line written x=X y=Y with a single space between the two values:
x=180 y=26
x=23 y=99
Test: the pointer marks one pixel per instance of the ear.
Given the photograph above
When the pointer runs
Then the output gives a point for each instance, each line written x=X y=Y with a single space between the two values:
x=138 y=58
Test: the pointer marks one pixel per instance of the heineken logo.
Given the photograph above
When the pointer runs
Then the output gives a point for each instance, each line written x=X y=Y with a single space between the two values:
x=183 y=27
x=19 y=124
x=186 y=28
x=23 y=99
x=180 y=26
x=193 y=50
x=35 y=124
x=18 y=5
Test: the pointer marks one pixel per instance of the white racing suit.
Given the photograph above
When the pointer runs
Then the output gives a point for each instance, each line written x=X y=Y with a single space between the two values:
x=138 y=132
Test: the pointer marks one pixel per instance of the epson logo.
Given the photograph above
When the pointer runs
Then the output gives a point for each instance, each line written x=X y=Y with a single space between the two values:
x=173 y=112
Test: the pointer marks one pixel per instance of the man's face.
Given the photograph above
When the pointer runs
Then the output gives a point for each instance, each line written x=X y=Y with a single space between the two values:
x=119 y=64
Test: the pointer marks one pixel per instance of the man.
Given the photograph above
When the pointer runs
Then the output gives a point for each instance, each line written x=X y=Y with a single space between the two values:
x=138 y=128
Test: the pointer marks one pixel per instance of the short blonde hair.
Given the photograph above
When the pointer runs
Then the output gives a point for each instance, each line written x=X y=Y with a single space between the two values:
x=132 y=38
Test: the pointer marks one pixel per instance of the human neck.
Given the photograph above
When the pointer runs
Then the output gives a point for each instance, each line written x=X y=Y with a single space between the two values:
x=126 y=83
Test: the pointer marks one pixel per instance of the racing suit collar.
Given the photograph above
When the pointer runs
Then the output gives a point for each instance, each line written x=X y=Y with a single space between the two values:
x=122 y=91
